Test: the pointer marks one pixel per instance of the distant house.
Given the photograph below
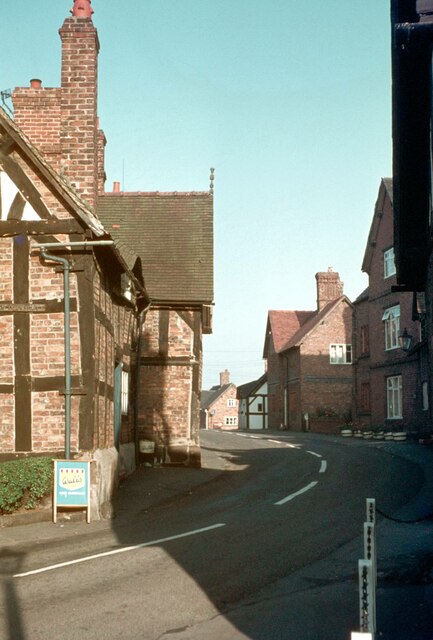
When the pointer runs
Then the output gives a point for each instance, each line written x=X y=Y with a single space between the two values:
x=390 y=383
x=219 y=405
x=253 y=404
x=309 y=357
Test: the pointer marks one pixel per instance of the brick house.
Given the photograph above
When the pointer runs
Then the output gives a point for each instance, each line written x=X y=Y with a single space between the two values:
x=309 y=356
x=52 y=190
x=219 y=405
x=390 y=384
x=253 y=404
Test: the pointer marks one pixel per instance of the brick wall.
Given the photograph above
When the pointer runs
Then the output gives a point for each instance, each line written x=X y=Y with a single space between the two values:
x=223 y=411
x=378 y=364
x=37 y=111
x=170 y=379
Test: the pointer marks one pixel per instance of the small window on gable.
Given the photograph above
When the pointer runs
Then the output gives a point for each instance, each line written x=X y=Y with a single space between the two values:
x=231 y=402
x=340 y=354
x=388 y=263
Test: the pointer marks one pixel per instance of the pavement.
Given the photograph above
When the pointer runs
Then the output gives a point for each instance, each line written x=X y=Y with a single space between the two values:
x=404 y=543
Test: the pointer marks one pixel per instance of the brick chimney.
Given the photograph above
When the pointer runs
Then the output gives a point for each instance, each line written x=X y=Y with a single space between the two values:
x=62 y=122
x=79 y=98
x=329 y=287
x=224 y=378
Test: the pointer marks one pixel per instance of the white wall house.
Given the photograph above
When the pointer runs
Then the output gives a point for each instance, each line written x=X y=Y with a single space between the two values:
x=253 y=404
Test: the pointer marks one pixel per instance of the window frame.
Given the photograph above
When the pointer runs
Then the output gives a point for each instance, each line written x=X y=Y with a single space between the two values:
x=346 y=354
x=389 y=268
x=230 y=421
x=124 y=394
x=394 y=397
x=391 y=320
x=231 y=402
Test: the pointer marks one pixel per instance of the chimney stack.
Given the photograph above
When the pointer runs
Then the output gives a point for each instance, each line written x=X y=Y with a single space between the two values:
x=224 y=378
x=329 y=287
x=116 y=187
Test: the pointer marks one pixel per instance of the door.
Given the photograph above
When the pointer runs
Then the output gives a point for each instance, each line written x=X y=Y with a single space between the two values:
x=117 y=402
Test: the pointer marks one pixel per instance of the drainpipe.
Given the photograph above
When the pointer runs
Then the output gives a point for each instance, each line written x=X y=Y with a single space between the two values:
x=137 y=381
x=67 y=324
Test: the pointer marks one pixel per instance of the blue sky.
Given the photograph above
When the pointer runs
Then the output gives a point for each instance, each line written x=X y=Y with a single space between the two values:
x=289 y=101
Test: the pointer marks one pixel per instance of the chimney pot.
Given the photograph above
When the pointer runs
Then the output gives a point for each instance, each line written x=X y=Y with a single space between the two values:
x=116 y=187
x=35 y=83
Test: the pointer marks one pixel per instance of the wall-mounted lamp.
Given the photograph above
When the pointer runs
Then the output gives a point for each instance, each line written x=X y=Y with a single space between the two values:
x=405 y=340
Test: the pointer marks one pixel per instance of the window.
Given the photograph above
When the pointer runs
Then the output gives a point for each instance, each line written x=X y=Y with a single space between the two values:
x=365 y=396
x=260 y=407
x=340 y=354
x=391 y=318
x=365 y=339
x=124 y=393
x=231 y=402
x=388 y=263
x=394 y=397
x=231 y=420
x=425 y=403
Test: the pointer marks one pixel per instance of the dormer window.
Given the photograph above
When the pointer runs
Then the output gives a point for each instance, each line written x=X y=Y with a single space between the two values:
x=126 y=286
x=388 y=263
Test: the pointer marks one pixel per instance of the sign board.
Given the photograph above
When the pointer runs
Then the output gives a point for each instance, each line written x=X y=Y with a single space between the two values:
x=361 y=636
x=71 y=485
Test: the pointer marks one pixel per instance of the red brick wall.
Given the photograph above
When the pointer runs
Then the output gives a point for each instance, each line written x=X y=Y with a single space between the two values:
x=170 y=377
x=379 y=363
x=223 y=411
x=37 y=113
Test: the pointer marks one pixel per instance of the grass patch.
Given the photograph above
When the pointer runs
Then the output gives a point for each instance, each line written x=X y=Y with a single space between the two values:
x=24 y=482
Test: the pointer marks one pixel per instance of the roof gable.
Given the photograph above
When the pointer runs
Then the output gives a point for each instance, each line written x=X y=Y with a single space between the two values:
x=283 y=325
x=312 y=323
x=385 y=192
x=173 y=235
x=250 y=388
x=209 y=397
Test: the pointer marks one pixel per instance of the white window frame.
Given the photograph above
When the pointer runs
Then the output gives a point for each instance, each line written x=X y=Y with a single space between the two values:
x=340 y=354
x=391 y=318
x=394 y=397
x=231 y=421
x=389 y=263
x=124 y=394
x=231 y=402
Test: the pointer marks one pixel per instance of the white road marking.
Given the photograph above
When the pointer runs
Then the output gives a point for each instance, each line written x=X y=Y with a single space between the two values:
x=297 y=493
x=116 y=551
x=292 y=446
x=323 y=466
x=315 y=454
x=255 y=437
x=276 y=441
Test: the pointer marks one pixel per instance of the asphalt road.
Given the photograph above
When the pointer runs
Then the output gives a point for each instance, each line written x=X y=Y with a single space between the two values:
x=243 y=554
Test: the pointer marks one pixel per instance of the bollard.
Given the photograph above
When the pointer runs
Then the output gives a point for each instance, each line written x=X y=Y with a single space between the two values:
x=367 y=597
x=371 y=510
x=370 y=546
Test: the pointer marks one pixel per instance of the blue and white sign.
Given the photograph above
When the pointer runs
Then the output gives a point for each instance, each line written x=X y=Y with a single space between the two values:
x=71 y=485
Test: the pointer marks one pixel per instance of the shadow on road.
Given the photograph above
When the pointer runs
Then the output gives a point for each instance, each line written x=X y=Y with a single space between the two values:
x=249 y=569
x=10 y=563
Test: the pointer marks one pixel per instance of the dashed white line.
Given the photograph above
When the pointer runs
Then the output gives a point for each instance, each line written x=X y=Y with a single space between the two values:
x=297 y=493
x=116 y=551
x=276 y=441
x=323 y=466
x=313 y=453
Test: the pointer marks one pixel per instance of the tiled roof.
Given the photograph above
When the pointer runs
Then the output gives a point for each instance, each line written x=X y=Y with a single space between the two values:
x=173 y=235
x=312 y=322
x=289 y=328
x=285 y=324
x=245 y=390
x=209 y=397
